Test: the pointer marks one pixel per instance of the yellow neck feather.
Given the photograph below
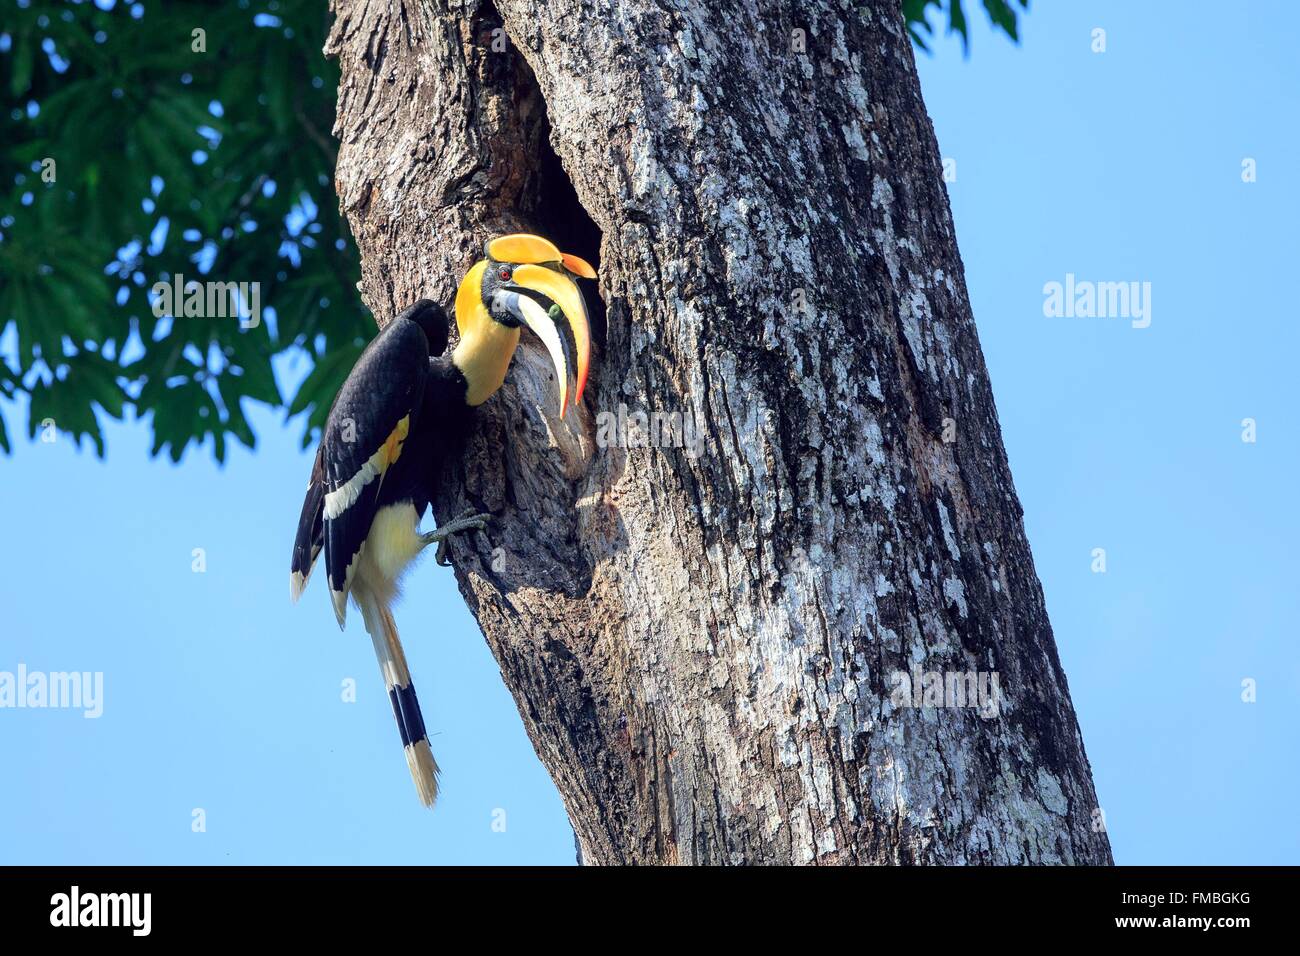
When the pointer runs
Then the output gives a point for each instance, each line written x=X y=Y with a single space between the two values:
x=485 y=348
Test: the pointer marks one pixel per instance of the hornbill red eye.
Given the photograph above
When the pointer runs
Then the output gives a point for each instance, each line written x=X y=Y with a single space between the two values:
x=504 y=273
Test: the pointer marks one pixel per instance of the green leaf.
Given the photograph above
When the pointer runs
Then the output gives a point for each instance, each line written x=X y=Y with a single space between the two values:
x=259 y=383
x=24 y=48
x=60 y=402
x=915 y=15
x=279 y=88
x=97 y=377
x=325 y=380
x=1002 y=15
x=235 y=420
x=118 y=118
x=957 y=23
x=176 y=420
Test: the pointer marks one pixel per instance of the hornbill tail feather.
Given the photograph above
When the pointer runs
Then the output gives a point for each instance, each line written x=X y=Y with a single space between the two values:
x=401 y=693
x=310 y=538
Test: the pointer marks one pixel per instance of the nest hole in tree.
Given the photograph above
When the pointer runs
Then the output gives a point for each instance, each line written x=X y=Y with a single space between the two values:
x=554 y=207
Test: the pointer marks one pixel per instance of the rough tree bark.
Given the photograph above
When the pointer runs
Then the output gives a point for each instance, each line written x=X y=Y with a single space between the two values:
x=704 y=648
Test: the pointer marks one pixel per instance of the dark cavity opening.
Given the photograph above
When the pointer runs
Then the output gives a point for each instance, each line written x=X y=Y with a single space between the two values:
x=561 y=217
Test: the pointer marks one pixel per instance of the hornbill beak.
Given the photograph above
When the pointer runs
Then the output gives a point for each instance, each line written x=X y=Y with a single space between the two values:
x=541 y=294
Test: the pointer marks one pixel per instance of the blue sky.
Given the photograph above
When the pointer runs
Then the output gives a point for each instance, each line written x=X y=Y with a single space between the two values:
x=1117 y=166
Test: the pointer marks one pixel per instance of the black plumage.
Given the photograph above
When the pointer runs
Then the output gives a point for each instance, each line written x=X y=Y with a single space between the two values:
x=401 y=378
x=401 y=410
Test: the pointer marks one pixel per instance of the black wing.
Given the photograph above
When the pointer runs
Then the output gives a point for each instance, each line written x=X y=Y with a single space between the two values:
x=363 y=436
x=310 y=539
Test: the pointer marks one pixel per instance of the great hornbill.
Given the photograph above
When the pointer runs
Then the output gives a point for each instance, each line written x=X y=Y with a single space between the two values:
x=399 y=415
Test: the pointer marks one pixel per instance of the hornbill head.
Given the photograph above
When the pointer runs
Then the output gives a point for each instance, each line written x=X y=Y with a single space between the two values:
x=526 y=280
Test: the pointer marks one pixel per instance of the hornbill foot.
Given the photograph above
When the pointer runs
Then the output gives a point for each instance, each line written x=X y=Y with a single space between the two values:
x=469 y=520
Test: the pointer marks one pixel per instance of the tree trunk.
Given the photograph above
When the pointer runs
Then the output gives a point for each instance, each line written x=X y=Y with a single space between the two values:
x=712 y=641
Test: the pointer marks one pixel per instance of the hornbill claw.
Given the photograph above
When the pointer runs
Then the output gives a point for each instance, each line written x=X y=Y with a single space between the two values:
x=468 y=520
